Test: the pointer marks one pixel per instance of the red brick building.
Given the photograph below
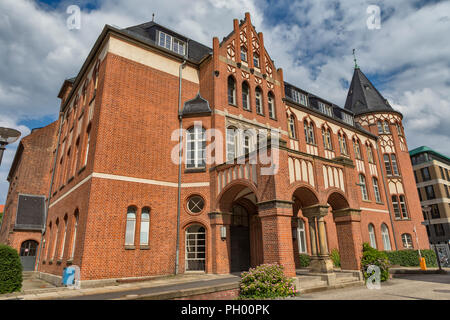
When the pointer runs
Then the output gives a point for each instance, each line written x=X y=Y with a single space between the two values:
x=119 y=194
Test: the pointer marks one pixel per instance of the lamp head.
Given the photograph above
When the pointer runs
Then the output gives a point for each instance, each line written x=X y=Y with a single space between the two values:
x=8 y=135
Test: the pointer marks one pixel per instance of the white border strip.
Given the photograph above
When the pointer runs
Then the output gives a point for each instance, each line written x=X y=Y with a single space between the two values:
x=374 y=210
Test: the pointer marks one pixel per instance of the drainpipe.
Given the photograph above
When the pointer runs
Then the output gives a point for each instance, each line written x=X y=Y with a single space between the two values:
x=180 y=119
x=387 y=196
x=49 y=192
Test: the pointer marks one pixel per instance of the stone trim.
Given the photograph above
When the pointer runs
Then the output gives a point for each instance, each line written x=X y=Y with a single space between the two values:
x=275 y=203
x=318 y=210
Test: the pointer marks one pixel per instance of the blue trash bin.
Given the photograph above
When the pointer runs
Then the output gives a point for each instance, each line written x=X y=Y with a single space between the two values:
x=68 y=276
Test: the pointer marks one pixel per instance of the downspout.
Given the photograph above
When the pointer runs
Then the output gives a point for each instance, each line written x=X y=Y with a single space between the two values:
x=387 y=196
x=50 y=191
x=180 y=153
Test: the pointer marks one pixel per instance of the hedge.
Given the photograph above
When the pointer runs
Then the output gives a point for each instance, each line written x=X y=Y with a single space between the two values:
x=372 y=256
x=410 y=258
x=10 y=270
x=304 y=260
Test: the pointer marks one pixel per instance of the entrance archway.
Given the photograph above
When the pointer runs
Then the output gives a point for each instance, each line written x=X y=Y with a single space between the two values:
x=28 y=252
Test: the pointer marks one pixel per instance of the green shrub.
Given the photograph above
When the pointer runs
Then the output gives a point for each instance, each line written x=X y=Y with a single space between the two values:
x=372 y=256
x=304 y=260
x=410 y=258
x=266 y=281
x=335 y=257
x=10 y=270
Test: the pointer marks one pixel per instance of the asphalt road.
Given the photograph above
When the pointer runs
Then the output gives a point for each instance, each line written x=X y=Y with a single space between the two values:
x=405 y=287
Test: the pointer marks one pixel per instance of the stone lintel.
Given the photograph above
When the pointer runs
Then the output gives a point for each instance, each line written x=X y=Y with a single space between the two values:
x=318 y=210
x=275 y=203
x=347 y=214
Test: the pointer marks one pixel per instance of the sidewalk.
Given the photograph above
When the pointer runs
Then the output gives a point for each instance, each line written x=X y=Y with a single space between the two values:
x=171 y=287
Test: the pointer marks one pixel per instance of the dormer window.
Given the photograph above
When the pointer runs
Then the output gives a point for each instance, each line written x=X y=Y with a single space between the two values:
x=171 y=43
x=347 y=118
x=328 y=110
x=299 y=97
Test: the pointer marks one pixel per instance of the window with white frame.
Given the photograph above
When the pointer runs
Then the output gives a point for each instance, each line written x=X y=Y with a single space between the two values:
x=326 y=109
x=357 y=149
x=347 y=118
x=394 y=164
x=231 y=143
x=396 y=207
x=403 y=207
x=301 y=237
x=385 y=237
x=255 y=60
x=231 y=90
x=326 y=135
x=61 y=251
x=171 y=43
x=258 y=100
x=376 y=190
x=362 y=184
x=299 y=97
x=309 y=132
x=386 y=127
x=373 y=241
x=245 y=96
x=342 y=144
x=387 y=164
x=407 y=241
x=130 y=226
x=380 y=127
x=271 y=104
x=145 y=226
x=291 y=127
x=370 y=154
x=74 y=239
x=243 y=54
x=195 y=147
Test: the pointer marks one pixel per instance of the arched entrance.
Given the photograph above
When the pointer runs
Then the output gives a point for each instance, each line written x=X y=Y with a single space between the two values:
x=195 y=248
x=240 y=239
x=28 y=252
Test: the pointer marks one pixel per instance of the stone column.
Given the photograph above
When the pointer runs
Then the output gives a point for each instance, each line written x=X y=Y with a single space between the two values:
x=348 y=229
x=220 y=253
x=276 y=217
x=320 y=261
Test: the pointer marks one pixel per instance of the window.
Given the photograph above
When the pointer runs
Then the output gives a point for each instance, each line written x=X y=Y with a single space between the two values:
x=386 y=127
x=75 y=227
x=399 y=129
x=387 y=164
x=326 y=135
x=231 y=90
x=299 y=97
x=380 y=127
x=145 y=226
x=88 y=140
x=376 y=190
x=301 y=235
x=195 y=204
x=292 y=127
x=309 y=132
x=442 y=172
x=255 y=60
x=195 y=147
x=373 y=241
x=420 y=194
x=370 y=154
x=403 y=207
x=55 y=242
x=231 y=143
x=171 y=43
x=271 y=105
x=429 y=190
x=342 y=144
x=425 y=174
x=362 y=184
x=246 y=144
x=195 y=248
x=435 y=212
x=245 y=96
x=130 y=226
x=325 y=109
x=439 y=230
x=396 y=207
x=347 y=118
x=243 y=54
x=407 y=241
x=385 y=237
x=357 y=149
x=415 y=176
x=258 y=100
x=394 y=164
x=61 y=251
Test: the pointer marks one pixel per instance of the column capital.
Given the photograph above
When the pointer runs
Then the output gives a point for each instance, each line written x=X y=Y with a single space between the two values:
x=220 y=217
x=318 y=210
x=347 y=214
x=275 y=203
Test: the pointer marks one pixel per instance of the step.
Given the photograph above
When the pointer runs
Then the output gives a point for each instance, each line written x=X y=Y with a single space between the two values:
x=311 y=284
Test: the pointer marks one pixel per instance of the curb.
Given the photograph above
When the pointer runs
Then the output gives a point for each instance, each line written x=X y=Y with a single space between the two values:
x=336 y=286
x=406 y=271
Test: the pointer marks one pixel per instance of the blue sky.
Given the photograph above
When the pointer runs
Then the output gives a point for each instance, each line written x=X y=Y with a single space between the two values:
x=312 y=40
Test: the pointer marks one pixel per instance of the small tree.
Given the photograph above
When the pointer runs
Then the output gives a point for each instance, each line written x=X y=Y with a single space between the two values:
x=10 y=270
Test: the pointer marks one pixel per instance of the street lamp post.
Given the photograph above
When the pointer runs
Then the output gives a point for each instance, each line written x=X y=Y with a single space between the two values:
x=427 y=211
x=7 y=136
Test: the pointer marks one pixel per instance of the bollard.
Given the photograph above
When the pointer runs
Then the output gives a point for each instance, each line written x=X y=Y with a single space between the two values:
x=423 y=264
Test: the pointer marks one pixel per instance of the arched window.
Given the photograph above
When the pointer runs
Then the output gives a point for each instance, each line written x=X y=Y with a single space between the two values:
x=301 y=235
x=74 y=239
x=231 y=90
x=271 y=104
x=385 y=236
x=245 y=96
x=399 y=129
x=88 y=141
x=376 y=190
x=61 y=251
x=370 y=154
x=291 y=127
x=326 y=135
x=231 y=143
x=145 y=226
x=195 y=248
x=386 y=127
x=55 y=242
x=309 y=132
x=373 y=241
x=362 y=184
x=48 y=241
x=342 y=144
x=357 y=149
x=407 y=241
x=380 y=127
x=258 y=101
x=130 y=226
x=195 y=147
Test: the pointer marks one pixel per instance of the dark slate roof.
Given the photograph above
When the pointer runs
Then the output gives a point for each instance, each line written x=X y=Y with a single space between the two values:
x=363 y=97
x=30 y=212
x=196 y=106
x=195 y=50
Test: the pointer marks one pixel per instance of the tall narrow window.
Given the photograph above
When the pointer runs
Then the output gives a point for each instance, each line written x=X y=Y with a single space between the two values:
x=362 y=184
x=429 y=190
x=407 y=241
x=396 y=207
x=130 y=226
x=386 y=127
x=370 y=154
x=255 y=60
x=399 y=129
x=342 y=144
x=357 y=149
x=301 y=235
x=376 y=190
x=271 y=105
x=425 y=174
x=309 y=132
x=243 y=54
x=394 y=164
x=326 y=135
x=145 y=226
x=74 y=239
x=246 y=144
x=292 y=133
x=88 y=141
x=195 y=147
x=231 y=90
x=49 y=241
x=373 y=241
x=403 y=207
x=245 y=96
x=385 y=236
x=380 y=127
x=55 y=242
x=258 y=100
x=387 y=164
x=61 y=251
x=231 y=143
x=75 y=158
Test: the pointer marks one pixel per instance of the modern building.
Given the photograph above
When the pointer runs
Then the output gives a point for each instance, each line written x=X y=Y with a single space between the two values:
x=268 y=170
x=29 y=180
x=432 y=174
